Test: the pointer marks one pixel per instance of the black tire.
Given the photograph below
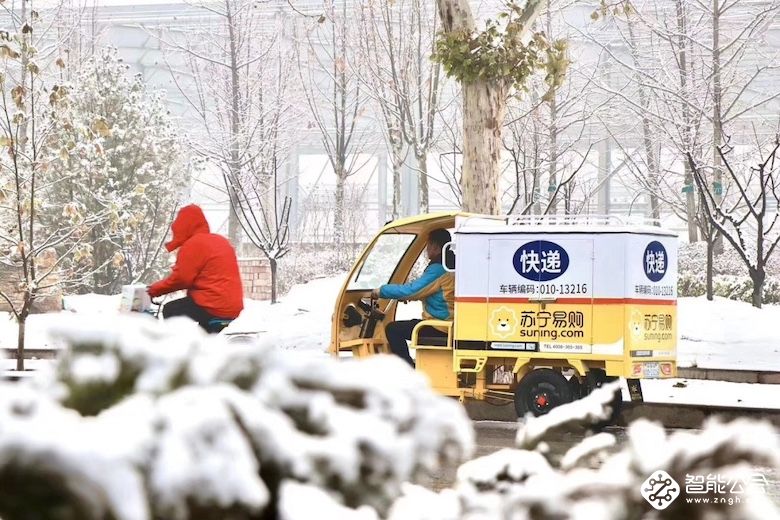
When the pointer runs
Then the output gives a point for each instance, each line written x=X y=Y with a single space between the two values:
x=578 y=390
x=595 y=378
x=540 y=391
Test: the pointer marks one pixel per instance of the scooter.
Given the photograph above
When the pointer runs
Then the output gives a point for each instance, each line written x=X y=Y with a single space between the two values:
x=153 y=307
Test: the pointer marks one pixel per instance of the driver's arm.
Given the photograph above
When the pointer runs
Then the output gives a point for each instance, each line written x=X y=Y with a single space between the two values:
x=416 y=289
x=189 y=262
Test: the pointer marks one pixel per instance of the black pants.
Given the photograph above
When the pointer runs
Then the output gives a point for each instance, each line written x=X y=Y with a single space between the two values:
x=187 y=307
x=398 y=332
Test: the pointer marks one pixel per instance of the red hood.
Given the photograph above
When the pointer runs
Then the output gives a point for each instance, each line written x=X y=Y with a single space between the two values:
x=189 y=222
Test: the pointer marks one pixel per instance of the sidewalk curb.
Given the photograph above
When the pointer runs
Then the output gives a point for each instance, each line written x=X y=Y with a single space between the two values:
x=670 y=415
x=731 y=376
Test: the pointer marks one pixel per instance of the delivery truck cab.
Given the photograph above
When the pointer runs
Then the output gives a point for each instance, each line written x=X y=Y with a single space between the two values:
x=546 y=308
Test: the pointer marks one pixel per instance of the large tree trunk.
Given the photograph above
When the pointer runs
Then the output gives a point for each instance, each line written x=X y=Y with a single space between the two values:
x=484 y=108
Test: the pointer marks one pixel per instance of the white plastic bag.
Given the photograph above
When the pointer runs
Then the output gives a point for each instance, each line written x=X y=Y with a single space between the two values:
x=135 y=299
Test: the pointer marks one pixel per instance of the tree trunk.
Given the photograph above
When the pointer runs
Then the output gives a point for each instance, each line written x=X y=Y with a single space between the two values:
x=234 y=226
x=484 y=108
x=536 y=190
x=553 y=166
x=396 y=191
x=553 y=136
x=710 y=268
x=757 y=276
x=338 y=218
x=273 y=263
x=647 y=138
x=398 y=163
x=422 y=168
x=22 y=322
x=687 y=119
x=717 y=123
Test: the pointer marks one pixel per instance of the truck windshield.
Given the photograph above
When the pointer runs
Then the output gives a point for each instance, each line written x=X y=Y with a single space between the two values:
x=381 y=261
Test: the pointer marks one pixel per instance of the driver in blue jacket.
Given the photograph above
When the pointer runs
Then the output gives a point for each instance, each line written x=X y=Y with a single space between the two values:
x=436 y=289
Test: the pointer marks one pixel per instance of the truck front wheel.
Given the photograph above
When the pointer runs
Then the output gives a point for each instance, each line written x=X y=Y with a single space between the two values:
x=540 y=391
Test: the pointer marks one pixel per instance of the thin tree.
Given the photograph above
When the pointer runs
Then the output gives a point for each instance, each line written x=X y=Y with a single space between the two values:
x=749 y=220
x=225 y=69
x=398 y=41
x=30 y=168
x=328 y=63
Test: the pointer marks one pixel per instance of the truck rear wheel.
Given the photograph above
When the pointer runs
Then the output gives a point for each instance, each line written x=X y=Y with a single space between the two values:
x=595 y=378
x=540 y=391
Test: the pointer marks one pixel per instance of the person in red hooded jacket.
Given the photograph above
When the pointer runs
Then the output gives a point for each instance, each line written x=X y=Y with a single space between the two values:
x=206 y=267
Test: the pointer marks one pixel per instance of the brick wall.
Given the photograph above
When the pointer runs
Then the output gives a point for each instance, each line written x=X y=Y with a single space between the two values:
x=256 y=275
x=10 y=277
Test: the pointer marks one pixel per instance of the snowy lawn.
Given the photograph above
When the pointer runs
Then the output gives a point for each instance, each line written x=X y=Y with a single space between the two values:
x=705 y=393
x=730 y=335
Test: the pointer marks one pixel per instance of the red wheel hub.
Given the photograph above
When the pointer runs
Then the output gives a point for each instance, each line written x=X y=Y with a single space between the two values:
x=541 y=400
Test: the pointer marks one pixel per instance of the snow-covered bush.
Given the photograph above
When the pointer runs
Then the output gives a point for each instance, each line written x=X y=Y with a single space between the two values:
x=143 y=419
x=691 y=284
x=692 y=258
x=730 y=279
x=303 y=265
x=738 y=288
x=598 y=478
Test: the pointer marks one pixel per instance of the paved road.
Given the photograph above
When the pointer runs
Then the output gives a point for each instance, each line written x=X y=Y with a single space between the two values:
x=493 y=436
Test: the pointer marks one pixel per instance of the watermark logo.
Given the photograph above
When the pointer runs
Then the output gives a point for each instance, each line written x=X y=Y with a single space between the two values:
x=660 y=490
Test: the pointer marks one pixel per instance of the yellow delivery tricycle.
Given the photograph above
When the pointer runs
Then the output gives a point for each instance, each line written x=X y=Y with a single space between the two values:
x=546 y=308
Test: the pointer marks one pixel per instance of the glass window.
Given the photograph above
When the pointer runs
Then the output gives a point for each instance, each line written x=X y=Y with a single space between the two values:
x=381 y=261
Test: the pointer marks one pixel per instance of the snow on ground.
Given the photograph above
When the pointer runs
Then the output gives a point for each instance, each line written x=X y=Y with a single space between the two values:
x=727 y=334
x=723 y=334
x=702 y=392
x=300 y=321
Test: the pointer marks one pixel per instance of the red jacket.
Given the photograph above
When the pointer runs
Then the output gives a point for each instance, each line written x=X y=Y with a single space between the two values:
x=206 y=266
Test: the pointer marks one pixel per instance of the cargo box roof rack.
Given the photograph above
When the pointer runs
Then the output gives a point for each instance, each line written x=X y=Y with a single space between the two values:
x=562 y=224
x=581 y=220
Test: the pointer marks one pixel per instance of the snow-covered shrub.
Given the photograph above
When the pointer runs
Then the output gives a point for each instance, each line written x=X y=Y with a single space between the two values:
x=692 y=258
x=738 y=288
x=197 y=428
x=303 y=265
x=598 y=478
x=691 y=284
x=741 y=288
